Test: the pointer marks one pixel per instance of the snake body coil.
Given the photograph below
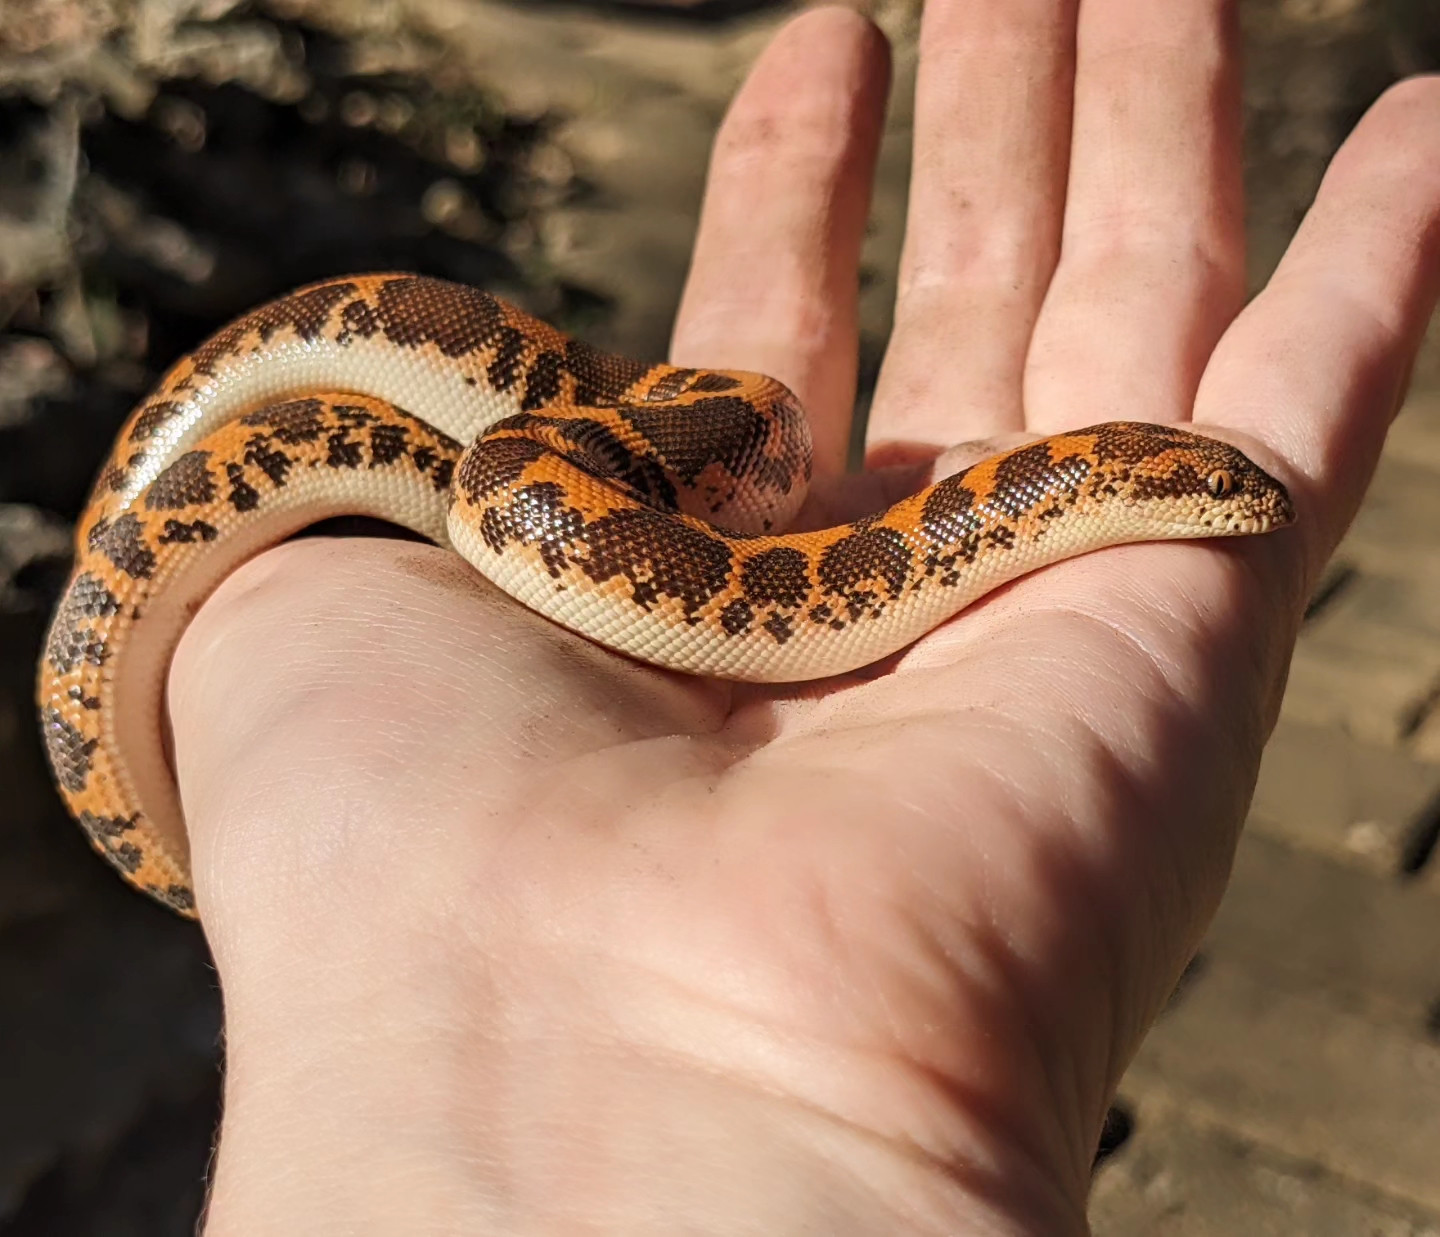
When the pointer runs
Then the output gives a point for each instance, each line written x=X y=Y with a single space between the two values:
x=634 y=504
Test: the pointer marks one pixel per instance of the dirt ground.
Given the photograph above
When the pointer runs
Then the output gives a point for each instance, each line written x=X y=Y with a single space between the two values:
x=165 y=164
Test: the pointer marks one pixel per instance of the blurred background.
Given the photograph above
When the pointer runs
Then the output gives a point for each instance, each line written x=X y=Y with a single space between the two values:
x=166 y=164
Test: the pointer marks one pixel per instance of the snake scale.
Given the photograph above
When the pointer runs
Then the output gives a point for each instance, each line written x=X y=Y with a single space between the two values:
x=639 y=505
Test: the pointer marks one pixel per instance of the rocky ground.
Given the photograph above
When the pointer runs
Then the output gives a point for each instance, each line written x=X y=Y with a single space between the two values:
x=165 y=164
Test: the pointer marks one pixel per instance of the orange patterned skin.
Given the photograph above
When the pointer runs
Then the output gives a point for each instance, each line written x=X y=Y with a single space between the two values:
x=642 y=506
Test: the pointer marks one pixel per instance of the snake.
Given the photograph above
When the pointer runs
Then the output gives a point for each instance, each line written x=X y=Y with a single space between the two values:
x=643 y=506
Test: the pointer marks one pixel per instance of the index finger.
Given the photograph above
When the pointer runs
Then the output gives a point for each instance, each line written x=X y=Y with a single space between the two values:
x=774 y=282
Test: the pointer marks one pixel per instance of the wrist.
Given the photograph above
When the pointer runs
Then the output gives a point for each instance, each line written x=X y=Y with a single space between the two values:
x=385 y=1087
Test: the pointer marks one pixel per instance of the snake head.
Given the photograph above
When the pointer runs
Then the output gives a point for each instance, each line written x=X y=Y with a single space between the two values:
x=1194 y=485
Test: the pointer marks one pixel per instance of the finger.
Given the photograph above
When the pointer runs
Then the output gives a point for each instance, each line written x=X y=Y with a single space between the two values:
x=1317 y=365
x=992 y=129
x=1152 y=264
x=773 y=285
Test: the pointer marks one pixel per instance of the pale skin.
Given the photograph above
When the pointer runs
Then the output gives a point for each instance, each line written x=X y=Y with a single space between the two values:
x=518 y=936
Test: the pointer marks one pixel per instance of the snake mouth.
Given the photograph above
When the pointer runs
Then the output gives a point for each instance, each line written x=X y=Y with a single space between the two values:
x=1253 y=525
x=1282 y=515
x=1270 y=511
x=1242 y=525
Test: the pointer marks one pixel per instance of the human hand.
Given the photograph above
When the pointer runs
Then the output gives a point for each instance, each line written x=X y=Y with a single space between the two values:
x=516 y=933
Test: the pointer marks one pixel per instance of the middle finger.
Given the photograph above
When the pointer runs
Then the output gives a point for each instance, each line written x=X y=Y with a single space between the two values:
x=992 y=128
x=1152 y=260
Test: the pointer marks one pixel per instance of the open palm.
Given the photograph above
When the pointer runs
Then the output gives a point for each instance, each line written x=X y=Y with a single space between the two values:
x=868 y=954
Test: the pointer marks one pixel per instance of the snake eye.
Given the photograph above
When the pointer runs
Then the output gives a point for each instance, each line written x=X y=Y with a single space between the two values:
x=1220 y=483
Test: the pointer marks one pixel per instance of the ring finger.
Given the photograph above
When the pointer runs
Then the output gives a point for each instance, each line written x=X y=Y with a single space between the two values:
x=1152 y=257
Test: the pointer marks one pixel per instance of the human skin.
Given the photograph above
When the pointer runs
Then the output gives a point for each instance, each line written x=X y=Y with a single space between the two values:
x=516 y=935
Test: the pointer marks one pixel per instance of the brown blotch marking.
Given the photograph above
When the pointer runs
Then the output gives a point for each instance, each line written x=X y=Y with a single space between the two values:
x=594 y=448
x=722 y=429
x=644 y=592
x=670 y=384
x=305 y=312
x=261 y=451
x=736 y=617
x=659 y=555
x=123 y=543
x=342 y=451
x=1177 y=480
x=177 y=532
x=69 y=750
x=243 y=496
x=792 y=434
x=1071 y=472
x=492 y=464
x=1131 y=442
x=126 y=856
x=600 y=377
x=88 y=596
x=777 y=475
x=357 y=320
x=425 y=457
x=952 y=527
x=187 y=482
x=294 y=421
x=672 y=558
x=108 y=833
x=1001 y=536
x=713 y=382
x=780 y=576
x=70 y=647
x=388 y=443
x=948 y=516
x=71 y=642
x=413 y=310
x=354 y=416
x=781 y=627
x=536 y=515
x=873 y=555
x=77 y=694
x=106 y=826
x=543 y=381
x=506 y=368
x=152 y=417
x=177 y=897
x=1023 y=480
